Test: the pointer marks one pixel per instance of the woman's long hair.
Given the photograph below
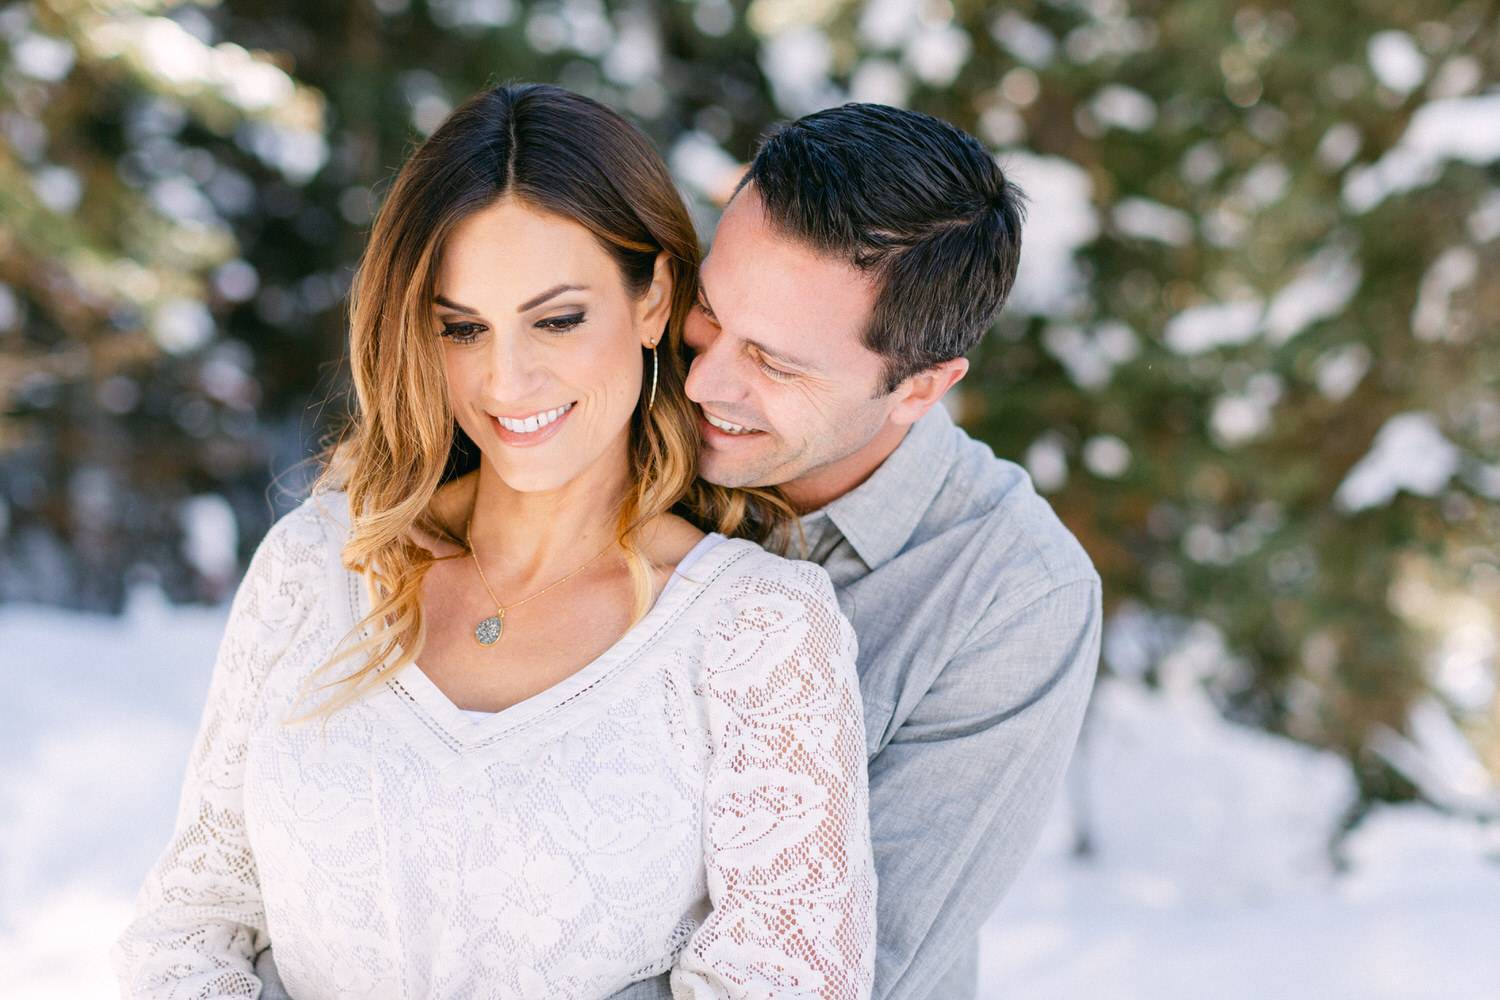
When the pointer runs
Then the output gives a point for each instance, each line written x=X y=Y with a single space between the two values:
x=556 y=152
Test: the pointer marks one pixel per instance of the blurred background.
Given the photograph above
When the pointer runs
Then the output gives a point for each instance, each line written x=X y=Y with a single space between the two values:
x=1250 y=359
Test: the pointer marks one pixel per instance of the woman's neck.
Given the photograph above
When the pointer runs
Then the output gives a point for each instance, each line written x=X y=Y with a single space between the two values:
x=527 y=538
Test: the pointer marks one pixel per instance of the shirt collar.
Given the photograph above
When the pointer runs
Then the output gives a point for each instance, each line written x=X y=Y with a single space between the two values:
x=879 y=515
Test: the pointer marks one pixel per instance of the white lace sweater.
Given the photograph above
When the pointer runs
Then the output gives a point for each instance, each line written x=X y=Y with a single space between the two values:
x=692 y=800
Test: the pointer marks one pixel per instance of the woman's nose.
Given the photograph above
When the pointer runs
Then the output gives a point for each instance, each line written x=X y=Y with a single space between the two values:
x=512 y=373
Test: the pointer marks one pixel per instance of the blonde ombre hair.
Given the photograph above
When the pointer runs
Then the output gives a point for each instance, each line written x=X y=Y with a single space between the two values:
x=556 y=152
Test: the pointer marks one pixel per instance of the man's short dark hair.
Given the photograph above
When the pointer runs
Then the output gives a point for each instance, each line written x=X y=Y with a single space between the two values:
x=918 y=202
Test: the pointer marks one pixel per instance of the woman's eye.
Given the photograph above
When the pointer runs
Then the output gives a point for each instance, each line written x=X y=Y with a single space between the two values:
x=560 y=324
x=461 y=333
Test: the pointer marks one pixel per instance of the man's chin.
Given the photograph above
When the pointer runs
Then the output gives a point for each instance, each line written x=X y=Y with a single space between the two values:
x=719 y=469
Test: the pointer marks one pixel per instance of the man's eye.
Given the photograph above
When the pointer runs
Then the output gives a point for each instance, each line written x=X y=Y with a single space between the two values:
x=560 y=324
x=461 y=333
x=775 y=373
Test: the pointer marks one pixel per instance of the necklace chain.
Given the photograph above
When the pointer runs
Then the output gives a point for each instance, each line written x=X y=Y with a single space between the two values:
x=488 y=631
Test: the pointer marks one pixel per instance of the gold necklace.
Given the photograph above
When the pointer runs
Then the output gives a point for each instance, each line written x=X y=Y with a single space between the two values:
x=487 y=632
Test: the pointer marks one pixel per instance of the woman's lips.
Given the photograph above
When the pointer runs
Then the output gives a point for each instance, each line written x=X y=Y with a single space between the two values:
x=527 y=438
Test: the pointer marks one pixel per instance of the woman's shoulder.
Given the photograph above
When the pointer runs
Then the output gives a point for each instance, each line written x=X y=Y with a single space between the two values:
x=770 y=611
x=748 y=575
x=755 y=561
x=309 y=531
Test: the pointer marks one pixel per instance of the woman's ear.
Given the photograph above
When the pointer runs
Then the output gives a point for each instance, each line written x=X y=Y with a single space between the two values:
x=656 y=305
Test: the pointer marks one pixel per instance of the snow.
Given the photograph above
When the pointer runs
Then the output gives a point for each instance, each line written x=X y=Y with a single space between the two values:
x=885 y=24
x=703 y=165
x=1061 y=220
x=1454 y=270
x=10 y=308
x=1459 y=128
x=182 y=325
x=1320 y=290
x=210 y=536
x=58 y=188
x=1046 y=461
x=1198 y=329
x=1266 y=183
x=936 y=53
x=1484 y=222
x=1106 y=456
x=1339 y=371
x=1090 y=358
x=879 y=81
x=1151 y=220
x=1209 y=875
x=1028 y=41
x=1409 y=453
x=43 y=57
x=1209 y=858
x=797 y=63
x=1338 y=146
x=1118 y=106
x=1240 y=417
x=1396 y=61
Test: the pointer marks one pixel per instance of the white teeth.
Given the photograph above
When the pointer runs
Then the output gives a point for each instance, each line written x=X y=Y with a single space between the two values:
x=533 y=423
x=725 y=425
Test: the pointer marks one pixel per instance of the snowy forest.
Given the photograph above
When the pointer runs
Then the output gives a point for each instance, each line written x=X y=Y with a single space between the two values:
x=1250 y=358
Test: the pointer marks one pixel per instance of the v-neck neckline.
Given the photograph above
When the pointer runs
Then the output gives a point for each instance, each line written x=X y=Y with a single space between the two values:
x=417 y=697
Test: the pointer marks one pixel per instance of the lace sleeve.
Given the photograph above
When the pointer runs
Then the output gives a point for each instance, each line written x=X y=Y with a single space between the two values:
x=199 y=918
x=786 y=832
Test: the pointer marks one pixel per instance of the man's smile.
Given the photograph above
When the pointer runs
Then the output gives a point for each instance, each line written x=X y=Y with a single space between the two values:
x=726 y=426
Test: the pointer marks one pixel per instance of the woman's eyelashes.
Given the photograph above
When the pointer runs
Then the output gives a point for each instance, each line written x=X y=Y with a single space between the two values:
x=560 y=324
x=467 y=333
x=461 y=333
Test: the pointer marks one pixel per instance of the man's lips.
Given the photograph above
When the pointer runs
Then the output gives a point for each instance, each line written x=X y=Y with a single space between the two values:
x=726 y=426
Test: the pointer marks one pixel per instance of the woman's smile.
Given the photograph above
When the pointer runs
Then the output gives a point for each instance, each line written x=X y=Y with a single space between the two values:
x=523 y=432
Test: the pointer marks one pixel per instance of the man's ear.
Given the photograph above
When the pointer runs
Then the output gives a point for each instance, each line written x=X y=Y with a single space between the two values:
x=656 y=304
x=921 y=392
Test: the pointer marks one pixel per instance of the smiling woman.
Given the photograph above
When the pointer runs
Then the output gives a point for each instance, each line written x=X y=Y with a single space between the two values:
x=487 y=710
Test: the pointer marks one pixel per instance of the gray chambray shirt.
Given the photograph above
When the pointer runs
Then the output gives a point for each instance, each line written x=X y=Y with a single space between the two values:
x=978 y=617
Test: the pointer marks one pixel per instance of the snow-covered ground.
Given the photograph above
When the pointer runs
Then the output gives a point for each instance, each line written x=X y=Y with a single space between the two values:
x=1209 y=873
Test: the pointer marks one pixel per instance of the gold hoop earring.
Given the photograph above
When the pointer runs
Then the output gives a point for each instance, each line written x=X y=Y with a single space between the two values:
x=655 y=368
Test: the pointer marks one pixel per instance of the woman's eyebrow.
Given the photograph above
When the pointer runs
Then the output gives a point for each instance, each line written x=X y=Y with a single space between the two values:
x=531 y=303
x=454 y=306
x=549 y=293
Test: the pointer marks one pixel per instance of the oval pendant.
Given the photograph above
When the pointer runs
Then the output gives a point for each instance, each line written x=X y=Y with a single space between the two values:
x=487 y=633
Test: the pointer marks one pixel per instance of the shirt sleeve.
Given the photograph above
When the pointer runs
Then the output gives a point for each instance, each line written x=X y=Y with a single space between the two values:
x=791 y=878
x=960 y=793
x=199 y=917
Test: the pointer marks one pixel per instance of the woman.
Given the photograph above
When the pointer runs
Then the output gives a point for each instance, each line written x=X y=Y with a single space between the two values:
x=629 y=746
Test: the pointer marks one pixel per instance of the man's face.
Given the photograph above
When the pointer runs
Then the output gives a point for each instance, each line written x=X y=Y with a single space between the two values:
x=789 y=393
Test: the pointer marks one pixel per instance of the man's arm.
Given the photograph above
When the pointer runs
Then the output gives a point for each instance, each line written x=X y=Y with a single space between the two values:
x=658 y=988
x=959 y=794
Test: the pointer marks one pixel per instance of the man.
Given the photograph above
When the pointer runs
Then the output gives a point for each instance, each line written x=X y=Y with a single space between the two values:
x=866 y=251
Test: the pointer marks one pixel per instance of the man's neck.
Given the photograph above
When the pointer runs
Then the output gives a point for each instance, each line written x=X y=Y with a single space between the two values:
x=821 y=486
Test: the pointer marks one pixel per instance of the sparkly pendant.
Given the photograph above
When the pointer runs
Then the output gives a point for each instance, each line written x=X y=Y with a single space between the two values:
x=487 y=632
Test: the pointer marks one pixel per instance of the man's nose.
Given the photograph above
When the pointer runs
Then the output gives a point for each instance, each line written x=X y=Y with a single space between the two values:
x=708 y=378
